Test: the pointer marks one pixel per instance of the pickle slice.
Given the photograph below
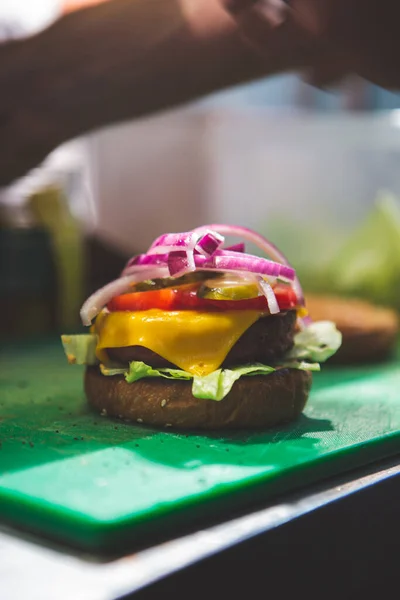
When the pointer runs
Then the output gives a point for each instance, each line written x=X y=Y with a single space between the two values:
x=228 y=289
x=158 y=284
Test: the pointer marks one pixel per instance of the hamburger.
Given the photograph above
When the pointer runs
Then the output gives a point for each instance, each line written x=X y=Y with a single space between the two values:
x=199 y=334
x=369 y=332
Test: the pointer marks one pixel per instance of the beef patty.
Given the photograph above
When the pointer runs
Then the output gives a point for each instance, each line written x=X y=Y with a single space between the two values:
x=266 y=341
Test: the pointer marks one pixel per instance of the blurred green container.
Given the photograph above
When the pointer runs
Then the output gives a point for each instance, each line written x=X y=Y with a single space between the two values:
x=27 y=282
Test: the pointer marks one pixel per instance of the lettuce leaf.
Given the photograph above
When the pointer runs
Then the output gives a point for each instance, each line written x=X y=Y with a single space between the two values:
x=368 y=264
x=214 y=386
x=111 y=369
x=318 y=342
x=139 y=370
x=219 y=383
x=313 y=345
x=80 y=349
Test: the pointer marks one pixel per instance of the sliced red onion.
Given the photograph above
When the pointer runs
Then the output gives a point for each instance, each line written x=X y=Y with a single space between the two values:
x=236 y=247
x=174 y=255
x=206 y=246
x=205 y=242
x=181 y=262
x=209 y=243
x=262 y=243
x=169 y=241
x=225 y=260
x=250 y=235
x=96 y=302
x=146 y=259
x=269 y=294
x=142 y=261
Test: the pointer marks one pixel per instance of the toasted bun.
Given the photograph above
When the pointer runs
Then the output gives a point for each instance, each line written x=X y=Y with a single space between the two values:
x=254 y=402
x=369 y=332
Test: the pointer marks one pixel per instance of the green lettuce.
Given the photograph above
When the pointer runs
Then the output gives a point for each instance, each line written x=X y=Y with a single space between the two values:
x=111 y=369
x=215 y=385
x=80 y=349
x=368 y=264
x=139 y=370
x=317 y=342
x=313 y=345
x=363 y=262
x=218 y=384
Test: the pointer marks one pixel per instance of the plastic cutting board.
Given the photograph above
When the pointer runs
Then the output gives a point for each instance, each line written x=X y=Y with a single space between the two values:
x=98 y=483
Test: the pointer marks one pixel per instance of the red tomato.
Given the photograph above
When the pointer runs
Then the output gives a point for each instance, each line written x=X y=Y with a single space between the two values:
x=163 y=299
x=185 y=298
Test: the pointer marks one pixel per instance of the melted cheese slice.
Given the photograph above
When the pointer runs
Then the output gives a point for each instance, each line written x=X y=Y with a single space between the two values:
x=197 y=342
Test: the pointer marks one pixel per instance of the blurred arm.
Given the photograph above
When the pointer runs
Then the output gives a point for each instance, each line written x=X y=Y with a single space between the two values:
x=115 y=61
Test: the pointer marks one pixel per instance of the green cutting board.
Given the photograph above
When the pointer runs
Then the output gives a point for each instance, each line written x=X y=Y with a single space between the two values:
x=100 y=484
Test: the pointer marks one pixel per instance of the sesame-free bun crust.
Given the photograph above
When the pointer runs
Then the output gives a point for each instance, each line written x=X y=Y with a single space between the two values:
x=256 y=402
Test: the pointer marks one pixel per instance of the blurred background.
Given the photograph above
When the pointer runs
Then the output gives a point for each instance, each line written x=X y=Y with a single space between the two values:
x=317 y=172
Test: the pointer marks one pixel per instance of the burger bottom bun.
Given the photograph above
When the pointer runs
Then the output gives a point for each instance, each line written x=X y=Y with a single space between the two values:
x=256 y=402
x=370 y=333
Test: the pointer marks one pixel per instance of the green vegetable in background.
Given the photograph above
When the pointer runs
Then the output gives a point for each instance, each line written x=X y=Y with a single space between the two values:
x=368 y=264
x=50 y=207
x=363 y=264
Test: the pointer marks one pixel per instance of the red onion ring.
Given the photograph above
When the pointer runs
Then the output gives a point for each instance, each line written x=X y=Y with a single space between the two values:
x=265 y=245
x=96 y=302
x=174 y=255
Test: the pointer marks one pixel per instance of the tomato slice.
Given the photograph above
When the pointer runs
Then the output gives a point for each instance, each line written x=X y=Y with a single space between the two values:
x=163 y=299
x=185 y=298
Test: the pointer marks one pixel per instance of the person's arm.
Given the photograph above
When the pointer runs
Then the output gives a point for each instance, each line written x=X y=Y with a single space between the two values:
x=115 y=61
x=331 y=38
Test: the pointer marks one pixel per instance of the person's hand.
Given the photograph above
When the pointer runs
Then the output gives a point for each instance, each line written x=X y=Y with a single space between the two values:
x=331 y=38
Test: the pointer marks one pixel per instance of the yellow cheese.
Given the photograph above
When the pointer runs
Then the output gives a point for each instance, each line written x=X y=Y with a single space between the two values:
x=197 y=342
